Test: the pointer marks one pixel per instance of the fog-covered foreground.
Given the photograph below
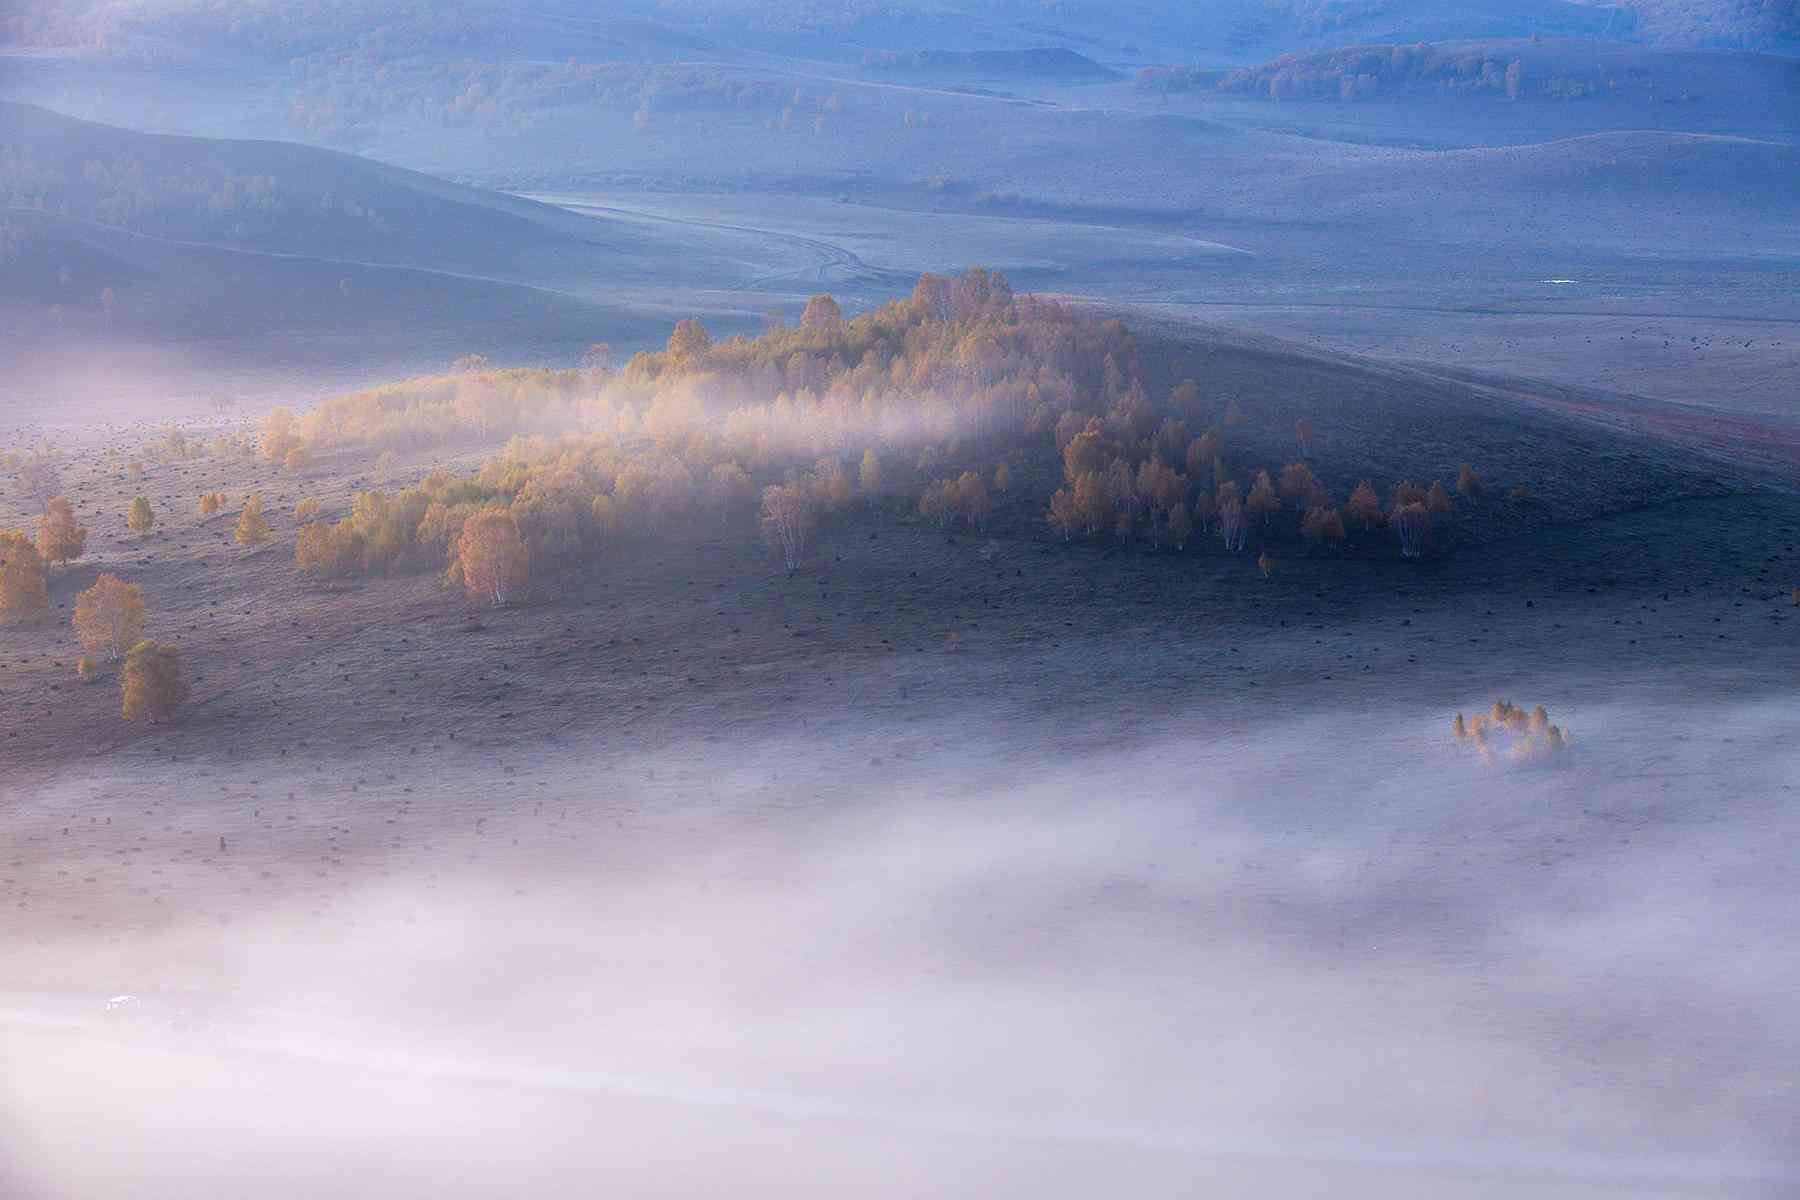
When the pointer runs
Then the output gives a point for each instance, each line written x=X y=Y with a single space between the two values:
x=1320 y=953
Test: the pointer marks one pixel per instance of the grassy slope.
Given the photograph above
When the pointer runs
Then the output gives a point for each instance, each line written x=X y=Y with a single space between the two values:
x=670 y=633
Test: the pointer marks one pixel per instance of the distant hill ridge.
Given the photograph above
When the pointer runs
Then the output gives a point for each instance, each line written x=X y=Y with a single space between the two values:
x=1511 y=68
x=1048 y=64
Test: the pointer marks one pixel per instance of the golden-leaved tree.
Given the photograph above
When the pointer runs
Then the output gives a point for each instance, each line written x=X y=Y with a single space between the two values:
x=109 y=616
x=154 y=683
x=141 y=518
x=23 y=594
x=491 y=555
x=60 y=537
x=252 y=526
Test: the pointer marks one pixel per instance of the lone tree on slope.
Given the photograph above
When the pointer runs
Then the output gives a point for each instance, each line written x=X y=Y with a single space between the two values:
x=60 y=538
x=142 y=518
x=153 y=684
x=109 y=616
x=252 y=527
x=23 y=594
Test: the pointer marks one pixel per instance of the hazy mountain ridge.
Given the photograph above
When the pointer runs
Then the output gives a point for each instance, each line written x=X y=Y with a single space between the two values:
x=286 y=198
x=1511 y=69
x=1230 y=30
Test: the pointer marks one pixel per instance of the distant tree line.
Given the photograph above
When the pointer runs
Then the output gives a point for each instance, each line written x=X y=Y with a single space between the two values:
x=1362 y=72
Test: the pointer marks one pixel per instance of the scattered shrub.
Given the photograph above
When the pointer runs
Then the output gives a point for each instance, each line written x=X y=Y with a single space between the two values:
x=142 y=518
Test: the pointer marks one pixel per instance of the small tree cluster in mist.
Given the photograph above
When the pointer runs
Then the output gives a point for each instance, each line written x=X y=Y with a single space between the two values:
x=1508 y=731
x=1119 y=485
x=964 y=500
x=700 y=430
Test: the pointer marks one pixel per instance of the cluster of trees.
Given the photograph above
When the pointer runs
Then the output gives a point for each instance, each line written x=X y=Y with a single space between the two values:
x=699 y=429
x=195 y=199
x=558 y=503
x=684 y=432
x=1508 y=729
x=965 y=498
x=960 y=358
x=1119 y=483
x=108 y=620
x=1359 y=72
x=25 y=561
x=471 y=403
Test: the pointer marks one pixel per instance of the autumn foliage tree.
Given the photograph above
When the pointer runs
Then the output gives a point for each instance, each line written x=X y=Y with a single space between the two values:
x=973 y=503
x=790 y=512
x=491 y=555
x=869 y=473
x=1322 y=525
x=153 y=682
x=23 y=593
x=690 y=340
x=1263 y=502
x=1437 y=500
x=60 y=537
x=1297 y=484
x=822 y=312
x=252 y=527
x=142 y=518
x=322 y=548
x=109 y=616
x=281 y=435
x=1364 y=507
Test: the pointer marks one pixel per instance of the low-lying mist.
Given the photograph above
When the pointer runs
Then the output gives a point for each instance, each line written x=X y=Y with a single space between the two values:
x=1327 y=954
